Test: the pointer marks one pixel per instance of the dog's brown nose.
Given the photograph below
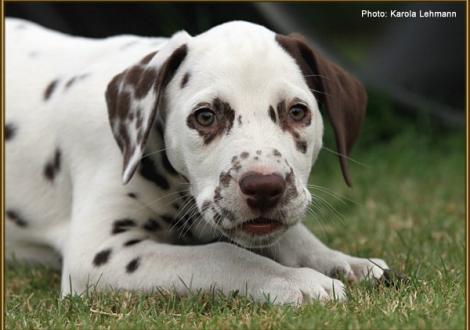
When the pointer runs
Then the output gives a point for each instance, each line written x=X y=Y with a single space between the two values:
x=263 y=191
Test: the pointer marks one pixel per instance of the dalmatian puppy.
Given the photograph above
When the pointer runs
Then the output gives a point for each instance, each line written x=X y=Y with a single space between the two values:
x=178 y=163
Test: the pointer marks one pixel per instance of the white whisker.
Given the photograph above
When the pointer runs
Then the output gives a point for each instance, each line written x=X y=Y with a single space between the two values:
x=154 y=152
x=317 y=91
x=347 y=157
x=325 y=190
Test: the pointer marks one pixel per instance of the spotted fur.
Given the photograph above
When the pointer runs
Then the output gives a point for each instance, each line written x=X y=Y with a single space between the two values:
x=106 y=165
x=50 y=89
x=102 y=257
x=18 y=220
x=10 y=131
x=225 y=116
x=185 y=79
x=52 y=167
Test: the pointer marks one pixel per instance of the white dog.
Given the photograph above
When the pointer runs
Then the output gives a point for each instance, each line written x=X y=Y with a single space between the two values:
x=206 y=186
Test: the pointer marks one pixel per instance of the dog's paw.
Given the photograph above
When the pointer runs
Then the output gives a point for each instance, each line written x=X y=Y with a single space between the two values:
x=370 y=269
x=301 y=286
x=343 y=266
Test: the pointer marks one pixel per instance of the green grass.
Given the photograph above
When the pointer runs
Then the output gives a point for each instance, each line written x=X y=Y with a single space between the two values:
x=407 y=207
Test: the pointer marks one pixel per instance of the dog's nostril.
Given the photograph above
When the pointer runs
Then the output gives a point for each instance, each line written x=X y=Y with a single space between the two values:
x=264 y=191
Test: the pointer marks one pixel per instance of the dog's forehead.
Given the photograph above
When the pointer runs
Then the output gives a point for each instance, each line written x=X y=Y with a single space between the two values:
x=242 y=54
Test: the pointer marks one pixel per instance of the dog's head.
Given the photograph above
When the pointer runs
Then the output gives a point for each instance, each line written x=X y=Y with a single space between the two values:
x=240 y=109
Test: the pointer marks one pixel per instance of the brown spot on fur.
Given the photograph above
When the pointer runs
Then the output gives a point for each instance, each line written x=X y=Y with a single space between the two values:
x=239 y=120
x=133 y=75
x=112 y=95
x=132 y=242
x=123 y=225
x=172 y=64
x=16 y=218
x=147 y=58
x=225 y=178
x=282 y=115
x=225 y=116
x=102 y=257
x=301 y=146
x=118 y=106
x=185 y=79
x=140 y=79
x=272 y=114
x=244 y=155
x=258 y=152
x=148 y=79
x=10 y=131
x=234 y=159
x=123 y=140
x=50 y=89
x=276 y=153
x=52 y=166
x=74 y=79
x=133 y=265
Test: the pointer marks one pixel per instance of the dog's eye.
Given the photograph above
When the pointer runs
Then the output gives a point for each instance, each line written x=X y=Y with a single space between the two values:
x=205 y=117
x=298 y=112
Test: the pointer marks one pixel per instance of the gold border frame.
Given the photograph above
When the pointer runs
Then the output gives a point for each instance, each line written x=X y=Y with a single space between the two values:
x=2 y=122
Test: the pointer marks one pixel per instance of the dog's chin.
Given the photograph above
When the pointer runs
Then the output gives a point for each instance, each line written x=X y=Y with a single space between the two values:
x=257 y=233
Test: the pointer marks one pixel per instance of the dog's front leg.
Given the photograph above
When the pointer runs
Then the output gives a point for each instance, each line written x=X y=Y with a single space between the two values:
x=300 y=248
x=115 y=244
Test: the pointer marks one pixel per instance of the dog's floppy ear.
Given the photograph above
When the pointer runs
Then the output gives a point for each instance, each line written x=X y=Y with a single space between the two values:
x=135 y=96
x=342 y=95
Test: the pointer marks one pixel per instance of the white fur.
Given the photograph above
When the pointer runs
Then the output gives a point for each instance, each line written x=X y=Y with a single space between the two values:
x=72 y=216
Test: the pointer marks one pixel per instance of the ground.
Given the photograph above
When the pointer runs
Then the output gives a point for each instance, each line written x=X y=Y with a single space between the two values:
x=407 y=206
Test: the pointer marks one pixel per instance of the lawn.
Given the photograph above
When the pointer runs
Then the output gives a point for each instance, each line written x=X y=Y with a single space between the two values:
x=407 y=206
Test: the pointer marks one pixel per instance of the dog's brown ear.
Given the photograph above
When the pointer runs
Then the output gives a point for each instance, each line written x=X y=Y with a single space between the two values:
x=342 y=95
x=134 y=97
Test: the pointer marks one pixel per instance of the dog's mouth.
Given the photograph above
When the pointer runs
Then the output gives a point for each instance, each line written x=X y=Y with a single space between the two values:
x=260 y=226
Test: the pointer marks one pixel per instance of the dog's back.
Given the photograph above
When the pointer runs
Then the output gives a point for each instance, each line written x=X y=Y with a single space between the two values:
x=49 y=109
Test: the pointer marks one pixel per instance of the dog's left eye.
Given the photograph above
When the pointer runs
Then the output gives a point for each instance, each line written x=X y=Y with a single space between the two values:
x=205 y=117
x=298 y=112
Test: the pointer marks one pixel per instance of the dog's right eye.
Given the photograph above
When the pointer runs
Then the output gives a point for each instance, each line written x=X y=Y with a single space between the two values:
x=205 y=117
